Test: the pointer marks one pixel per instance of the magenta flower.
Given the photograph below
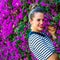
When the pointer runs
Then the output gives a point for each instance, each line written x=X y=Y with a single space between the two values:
x=58 y=31
x=7 y=28
x=58 y=37
x=17 y=38
x=29 y=2
x=2 y=5
x=59 y=23
x=20 y=16
x=5 y=13
x=26 y=58
x=58 y=50
x=52 y=6
x=44 y=4
x=54 y=13
x=16 y=3
x=25 y=10
x=36 y=1
x=23 y=38
x=55 y=43
x=23 y=46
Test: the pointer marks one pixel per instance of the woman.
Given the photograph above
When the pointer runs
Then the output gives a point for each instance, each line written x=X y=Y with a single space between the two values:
x=39 y=43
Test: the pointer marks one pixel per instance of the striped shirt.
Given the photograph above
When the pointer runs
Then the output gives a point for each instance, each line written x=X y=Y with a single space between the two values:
x=40 y=45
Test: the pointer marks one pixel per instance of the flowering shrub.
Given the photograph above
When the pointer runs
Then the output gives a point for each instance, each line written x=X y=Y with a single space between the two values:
x=14 y=27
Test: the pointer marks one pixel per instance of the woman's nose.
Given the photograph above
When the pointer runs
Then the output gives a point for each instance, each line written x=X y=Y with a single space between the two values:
x=41 y=21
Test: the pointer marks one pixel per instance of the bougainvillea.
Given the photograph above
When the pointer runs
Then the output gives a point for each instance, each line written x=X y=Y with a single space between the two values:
x=14 y=27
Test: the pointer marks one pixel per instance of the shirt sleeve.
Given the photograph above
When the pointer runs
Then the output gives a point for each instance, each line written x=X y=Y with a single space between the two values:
x=38 y=47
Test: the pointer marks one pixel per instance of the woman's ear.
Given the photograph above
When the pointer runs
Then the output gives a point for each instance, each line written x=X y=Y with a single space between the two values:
x=31 y=21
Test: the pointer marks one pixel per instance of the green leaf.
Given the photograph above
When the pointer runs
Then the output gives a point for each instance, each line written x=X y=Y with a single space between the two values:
x=21 y=26
x=17 y=45
x=12 y=37
x=56 y=1
x=15 y=30
x=27 y=32
x=56 y=19
x=19 y=42
x=59 y=15
x=47 y=9
x=25 y=19
x=21 y=52
x=29 y=57
x=59 y=55
x=52 y=23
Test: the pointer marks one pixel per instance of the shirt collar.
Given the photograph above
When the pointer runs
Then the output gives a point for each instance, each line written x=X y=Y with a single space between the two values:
x=33 y=32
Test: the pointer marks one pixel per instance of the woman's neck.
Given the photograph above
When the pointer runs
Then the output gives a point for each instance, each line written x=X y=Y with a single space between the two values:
x=35 y=30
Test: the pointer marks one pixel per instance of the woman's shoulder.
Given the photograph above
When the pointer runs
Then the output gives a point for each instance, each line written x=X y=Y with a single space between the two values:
x=35 y=35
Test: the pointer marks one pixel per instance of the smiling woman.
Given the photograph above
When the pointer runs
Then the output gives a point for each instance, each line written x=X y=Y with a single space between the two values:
x=40 y=44
x=37 y=22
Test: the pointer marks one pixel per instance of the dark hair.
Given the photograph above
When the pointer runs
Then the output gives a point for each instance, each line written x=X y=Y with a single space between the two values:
x=35 y=9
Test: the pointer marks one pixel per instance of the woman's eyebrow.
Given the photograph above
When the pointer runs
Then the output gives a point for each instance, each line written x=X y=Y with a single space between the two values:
x=38 y=19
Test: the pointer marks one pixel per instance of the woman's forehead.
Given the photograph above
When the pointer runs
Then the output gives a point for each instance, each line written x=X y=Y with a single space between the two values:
x=39 y=15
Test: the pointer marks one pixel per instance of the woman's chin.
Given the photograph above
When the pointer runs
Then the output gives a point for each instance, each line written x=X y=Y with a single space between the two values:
x=40 y=29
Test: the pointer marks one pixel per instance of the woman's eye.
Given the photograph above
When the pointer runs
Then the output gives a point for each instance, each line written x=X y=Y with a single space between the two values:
x=38 y=19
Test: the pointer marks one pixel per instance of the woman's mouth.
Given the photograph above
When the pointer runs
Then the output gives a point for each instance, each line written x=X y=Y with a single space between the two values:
x=41 y=26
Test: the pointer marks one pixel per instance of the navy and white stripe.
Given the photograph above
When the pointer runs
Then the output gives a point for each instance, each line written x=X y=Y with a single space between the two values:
x=41 y=46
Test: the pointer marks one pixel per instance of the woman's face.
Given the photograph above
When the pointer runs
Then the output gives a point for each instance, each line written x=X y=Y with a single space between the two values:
x=37 y=22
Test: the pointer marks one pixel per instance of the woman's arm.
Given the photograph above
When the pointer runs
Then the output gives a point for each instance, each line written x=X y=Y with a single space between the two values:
x=54 y=57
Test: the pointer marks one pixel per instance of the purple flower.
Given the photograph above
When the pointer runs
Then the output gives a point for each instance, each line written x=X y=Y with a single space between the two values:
x=25 y=29
x=17 y=38
x=29 y=1
x=58 y=50
x=58 y=37
x=23 y=37
x=33 y=57
x=5 y=12
x=59 y=23
x=54 y=43
x=16 y=3
x=48 y=16
x=1 y=22
x=25 y=10
x=20 y=16
x=36 y=1
x=7 y=28
x=58 y=31
x=54 y=13
x=23 y=46
x=15 y=23
x=26 y=58
x=2 y=5
x=44 y=4
x=52 y=6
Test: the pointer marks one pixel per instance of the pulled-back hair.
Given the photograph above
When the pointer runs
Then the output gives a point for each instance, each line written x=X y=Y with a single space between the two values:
x=34 y=8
